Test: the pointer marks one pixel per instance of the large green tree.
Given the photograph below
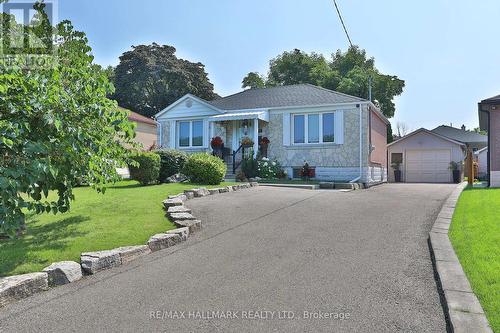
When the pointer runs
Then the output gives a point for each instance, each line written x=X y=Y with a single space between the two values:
x=348 y=72
x=57 y=128
x=150 y=77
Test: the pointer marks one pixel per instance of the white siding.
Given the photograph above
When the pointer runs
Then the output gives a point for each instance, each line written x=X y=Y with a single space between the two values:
x=183 y=110
x=422 y=141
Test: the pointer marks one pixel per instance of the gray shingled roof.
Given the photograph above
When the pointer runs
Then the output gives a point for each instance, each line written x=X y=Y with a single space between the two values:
x=494 y=99
x=459 y=134
x=282 y=96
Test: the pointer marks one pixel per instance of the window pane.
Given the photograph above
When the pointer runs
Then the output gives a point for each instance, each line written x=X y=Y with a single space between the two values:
x=197 y=133
x=328 y=127
x=298 y=129
x=184 y=134
x=313 y=128
x=397 y=158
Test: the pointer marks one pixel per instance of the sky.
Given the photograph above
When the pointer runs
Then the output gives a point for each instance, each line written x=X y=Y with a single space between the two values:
x=447 y=51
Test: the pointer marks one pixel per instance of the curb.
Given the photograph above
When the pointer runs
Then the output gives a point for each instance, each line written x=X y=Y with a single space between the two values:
x=462 y=309
x=17 y=287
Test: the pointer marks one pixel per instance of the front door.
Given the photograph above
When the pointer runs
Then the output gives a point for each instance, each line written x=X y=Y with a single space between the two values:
x=241 y=129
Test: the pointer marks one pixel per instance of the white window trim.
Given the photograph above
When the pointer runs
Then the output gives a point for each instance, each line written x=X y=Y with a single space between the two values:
x=190 y=121
x=306 y=129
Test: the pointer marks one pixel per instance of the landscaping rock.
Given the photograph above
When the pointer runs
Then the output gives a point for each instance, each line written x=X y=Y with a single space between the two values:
x=193 y=225
x=163 y=241
x=214 y=190
x=172 y=202
x=178 y=209
x=13 y=288
x=180 y=196
x=223 y=190
x=93 y=262
x=229 y=188
x=189 y=194
x=129 y=253
x=63 y=272
x=182 y=216
x=200 y=192
x=177 y=178
x=182 y=232
x=235 y=187
x=254 y=184
x=327 y=185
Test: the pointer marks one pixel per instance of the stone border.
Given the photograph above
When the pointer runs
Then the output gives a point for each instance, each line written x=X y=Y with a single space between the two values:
x=462 y=308
x=17 y=287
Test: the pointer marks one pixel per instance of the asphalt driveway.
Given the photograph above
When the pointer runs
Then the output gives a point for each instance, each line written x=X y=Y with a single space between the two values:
x=268 y=260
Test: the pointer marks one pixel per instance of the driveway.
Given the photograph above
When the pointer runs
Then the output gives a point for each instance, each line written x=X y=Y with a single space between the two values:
x=265 y=257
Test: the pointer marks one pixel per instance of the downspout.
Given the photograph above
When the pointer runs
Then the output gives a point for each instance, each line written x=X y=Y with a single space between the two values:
x=360 y=145
x=487 y=112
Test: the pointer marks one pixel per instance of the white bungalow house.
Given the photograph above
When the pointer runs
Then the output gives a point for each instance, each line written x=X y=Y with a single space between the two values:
x=342 y=137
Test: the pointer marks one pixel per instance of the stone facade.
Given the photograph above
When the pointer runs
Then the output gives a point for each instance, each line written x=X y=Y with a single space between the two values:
x=332 y=161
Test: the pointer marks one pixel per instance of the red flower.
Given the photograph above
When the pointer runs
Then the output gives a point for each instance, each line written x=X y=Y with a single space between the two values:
x=216 y=142
x=264 y=141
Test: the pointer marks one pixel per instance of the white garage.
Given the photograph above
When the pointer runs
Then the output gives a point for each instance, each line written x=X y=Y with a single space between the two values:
x=424 y=157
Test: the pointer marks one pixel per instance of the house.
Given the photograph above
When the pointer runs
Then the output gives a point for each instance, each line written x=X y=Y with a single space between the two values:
x=341 y=136
x=481 y=157
x=473 y=140
x=489 y=120
x=425 y=156
x=145 y=130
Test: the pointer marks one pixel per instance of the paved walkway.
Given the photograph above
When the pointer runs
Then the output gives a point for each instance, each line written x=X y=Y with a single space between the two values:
x=362 y=256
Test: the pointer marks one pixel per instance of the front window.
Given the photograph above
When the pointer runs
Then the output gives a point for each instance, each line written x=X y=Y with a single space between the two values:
x=313 y=128
x=191 y=133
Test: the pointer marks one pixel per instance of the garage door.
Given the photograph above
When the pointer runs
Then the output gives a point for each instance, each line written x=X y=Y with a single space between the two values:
x=428 y=166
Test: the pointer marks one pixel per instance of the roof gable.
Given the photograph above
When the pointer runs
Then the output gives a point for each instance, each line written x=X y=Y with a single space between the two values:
x=426 y=131
x=188 y=106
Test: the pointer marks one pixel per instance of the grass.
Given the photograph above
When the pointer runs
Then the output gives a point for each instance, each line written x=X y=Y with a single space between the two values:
x=127 y=214
x=475 y=235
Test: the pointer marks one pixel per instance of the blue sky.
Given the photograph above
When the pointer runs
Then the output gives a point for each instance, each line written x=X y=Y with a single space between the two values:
x=446 y=51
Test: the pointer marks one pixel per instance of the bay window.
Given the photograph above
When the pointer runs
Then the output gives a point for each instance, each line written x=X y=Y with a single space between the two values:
x=190 y=133
x=313 y=128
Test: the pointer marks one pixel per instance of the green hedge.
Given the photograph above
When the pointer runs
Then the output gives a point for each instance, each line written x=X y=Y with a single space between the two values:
x=172 y=162
x=148 y=168
x=203 y=168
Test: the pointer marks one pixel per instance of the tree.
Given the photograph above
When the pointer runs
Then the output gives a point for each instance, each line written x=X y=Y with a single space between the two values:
x=150 y=77
x=402 y=129
x=253 y=80
x=348 y=72
x=57 y=128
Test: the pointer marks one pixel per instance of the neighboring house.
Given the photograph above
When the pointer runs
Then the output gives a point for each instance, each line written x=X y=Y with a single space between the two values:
x=343 y=137
x=489 y=120
x=481 y=157
x=425 y=157
x=145 y=131
x=473 y=140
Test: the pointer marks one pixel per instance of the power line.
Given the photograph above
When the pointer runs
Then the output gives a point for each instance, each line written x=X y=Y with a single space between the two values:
x=342 y=21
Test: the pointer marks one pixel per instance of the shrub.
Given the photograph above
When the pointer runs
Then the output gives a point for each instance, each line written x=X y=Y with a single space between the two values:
x=172 y=162
x=147 y=169
x=204 y=169
x=269 y=169
x=249 y=166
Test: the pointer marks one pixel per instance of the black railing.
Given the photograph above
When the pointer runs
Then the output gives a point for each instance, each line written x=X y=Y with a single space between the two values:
x=236 y=164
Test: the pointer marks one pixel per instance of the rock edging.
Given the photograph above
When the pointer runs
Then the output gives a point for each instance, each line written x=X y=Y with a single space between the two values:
x=462 y=308
x=16 y=287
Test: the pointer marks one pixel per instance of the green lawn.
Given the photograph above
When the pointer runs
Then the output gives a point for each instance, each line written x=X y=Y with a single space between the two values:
x=127 y=214
x=475 y=235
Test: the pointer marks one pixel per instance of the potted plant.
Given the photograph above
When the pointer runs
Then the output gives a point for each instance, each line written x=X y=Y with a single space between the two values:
x=306 y=173
x=217 y=145
x=246 y=142
x=455 y=169
x=397 y=171
x=264 y=143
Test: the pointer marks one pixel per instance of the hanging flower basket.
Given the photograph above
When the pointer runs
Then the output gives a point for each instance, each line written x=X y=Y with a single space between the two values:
x=246 y=142
x=216 y=142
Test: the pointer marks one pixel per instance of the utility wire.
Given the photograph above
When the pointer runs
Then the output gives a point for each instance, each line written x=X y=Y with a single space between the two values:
x=342 y=21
